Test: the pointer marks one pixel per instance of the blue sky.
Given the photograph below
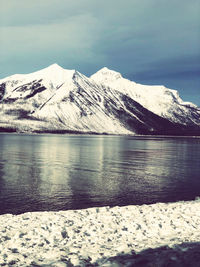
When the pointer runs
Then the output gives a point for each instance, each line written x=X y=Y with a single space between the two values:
x=148 y=41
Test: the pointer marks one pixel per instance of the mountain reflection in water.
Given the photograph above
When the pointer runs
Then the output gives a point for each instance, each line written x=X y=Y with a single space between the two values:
x=59 y=172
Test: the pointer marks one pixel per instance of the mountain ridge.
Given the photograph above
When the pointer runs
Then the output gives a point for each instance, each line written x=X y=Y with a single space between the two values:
x=57 y=99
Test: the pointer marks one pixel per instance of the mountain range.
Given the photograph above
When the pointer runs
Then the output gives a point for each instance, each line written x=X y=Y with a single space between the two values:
x=60 y=100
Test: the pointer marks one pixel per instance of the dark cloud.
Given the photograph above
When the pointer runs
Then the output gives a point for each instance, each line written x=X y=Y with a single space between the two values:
x=181 y=73
x=172 y=68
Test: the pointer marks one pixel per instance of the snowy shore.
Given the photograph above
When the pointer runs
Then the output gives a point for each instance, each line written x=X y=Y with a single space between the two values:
x=89 y=237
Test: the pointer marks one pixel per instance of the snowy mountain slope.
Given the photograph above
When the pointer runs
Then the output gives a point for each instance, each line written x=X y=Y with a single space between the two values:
x=47 y=96
x=55 y=99
x=158 y=99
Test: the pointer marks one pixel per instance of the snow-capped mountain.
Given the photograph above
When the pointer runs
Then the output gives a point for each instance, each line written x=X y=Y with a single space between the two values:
x=56 y=99
x=158 y=99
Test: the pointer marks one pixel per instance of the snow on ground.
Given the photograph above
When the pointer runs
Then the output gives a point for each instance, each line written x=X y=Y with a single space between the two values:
x=87 y=237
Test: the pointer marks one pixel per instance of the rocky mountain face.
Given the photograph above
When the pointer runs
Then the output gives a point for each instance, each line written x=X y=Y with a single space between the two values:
x=59 y=100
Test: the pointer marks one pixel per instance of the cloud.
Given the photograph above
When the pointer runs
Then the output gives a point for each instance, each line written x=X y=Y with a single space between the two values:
x=71 y=39
x=181 y=73
x=172 y=68
x=26 y=12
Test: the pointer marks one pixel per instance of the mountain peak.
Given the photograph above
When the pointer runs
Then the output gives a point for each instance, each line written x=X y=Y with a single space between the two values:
x=106 y=74
x=47 y=71
x=104 y=69
x=107 y=71
x=54 y=72
x=54 y=66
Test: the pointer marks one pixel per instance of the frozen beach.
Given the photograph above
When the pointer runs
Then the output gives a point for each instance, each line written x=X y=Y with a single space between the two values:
x=91 y=237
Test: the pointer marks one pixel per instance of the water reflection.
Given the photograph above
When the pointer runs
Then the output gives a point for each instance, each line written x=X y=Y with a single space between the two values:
x=54 y=172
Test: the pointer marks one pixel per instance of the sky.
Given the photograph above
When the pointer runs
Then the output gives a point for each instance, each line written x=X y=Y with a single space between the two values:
x=147 y=41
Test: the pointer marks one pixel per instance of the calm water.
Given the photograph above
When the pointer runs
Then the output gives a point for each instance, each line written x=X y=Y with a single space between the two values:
x=59 y=172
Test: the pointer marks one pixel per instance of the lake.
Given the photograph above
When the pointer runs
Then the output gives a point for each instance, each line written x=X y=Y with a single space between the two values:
x=60 y=172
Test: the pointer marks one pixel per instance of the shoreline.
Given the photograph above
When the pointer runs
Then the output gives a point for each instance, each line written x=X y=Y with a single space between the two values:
x=89 y=237
x=77 y=133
